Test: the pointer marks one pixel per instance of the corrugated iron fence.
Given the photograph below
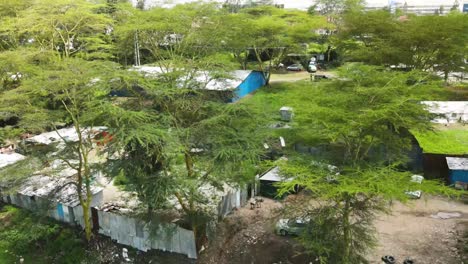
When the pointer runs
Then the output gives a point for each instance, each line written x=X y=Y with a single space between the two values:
x=133 y=232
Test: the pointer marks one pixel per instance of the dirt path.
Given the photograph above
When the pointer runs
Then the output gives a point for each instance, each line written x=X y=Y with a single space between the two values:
x=247 y=237
x=289 y=77
x=297 y=76
x=410 y=231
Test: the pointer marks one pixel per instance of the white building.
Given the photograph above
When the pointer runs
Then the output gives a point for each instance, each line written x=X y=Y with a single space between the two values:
x=448 y=112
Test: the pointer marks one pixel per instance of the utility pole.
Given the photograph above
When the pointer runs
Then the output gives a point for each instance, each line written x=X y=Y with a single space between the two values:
x=137 y=49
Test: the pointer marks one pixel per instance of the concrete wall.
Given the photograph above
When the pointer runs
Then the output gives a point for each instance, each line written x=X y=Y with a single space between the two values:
x=132 y=232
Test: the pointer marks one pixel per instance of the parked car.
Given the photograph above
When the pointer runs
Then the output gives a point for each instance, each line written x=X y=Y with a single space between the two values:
x=286 y=227
x=416 y=194
x=294 y=67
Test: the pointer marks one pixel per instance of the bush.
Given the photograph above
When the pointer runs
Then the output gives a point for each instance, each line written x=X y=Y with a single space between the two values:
x=37 y=239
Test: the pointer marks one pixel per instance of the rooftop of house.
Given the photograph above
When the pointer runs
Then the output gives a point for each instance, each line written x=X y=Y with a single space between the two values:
x=445 y=139
x=65 y=134
x=53 y=183
x=448 y=111
x=203 y=78
x=457 y=163
x=274 y=175
x=10 y=158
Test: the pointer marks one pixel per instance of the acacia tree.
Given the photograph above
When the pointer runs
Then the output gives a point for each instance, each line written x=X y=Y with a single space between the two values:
x=272 y=33
x=190 y=147
x=186 y=40
x=72 y=91
x=67 y=27
x=365 y=128
x=420 y=42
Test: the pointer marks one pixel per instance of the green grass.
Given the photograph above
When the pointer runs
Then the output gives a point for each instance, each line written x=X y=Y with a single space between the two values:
x=37 y=239
x=444 y=140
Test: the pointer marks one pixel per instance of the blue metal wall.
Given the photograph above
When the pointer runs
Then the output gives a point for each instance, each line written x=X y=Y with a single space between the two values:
x=253 y=82
x=458 y=175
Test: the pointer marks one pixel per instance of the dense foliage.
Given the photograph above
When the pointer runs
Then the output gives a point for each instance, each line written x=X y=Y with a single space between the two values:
x=36 y=239
x=174 y=143
x=358 y=128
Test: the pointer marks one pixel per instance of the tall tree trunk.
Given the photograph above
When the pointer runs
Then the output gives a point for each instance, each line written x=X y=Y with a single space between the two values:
x=137 y=49
x=346 y=232
x=188 y=163
x=87 y=220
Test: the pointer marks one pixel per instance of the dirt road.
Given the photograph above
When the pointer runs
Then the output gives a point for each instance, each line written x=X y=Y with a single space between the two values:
x=247 y=237
x=297 y=76
x=410 y=231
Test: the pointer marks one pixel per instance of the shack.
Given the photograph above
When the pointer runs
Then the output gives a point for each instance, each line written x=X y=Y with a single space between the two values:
x=269 y=181
x=231 y=85
x=449 y=138
x=458 y=170
x=52 y=192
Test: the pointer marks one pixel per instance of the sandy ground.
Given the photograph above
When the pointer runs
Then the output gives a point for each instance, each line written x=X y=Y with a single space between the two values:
x=296 y=76
x=410 y=232
x=247 y=236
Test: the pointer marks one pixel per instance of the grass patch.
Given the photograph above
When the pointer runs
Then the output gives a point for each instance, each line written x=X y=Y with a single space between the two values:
x=37 y=239
x=444 y=140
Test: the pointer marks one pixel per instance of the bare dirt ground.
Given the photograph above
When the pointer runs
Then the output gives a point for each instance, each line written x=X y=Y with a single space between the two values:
x=410 y=231
x=247 y=236
x=289 y=76
x=296 y=76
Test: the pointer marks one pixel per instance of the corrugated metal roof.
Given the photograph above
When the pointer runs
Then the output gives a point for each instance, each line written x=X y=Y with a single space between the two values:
x=68 y=134
x=10 y=158
x=273 y=175
x=203 y=78
x=457 y=163
x=452 y=110
x=49 y=187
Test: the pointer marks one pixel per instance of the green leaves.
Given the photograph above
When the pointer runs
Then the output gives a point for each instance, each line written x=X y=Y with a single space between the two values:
x=420 y=42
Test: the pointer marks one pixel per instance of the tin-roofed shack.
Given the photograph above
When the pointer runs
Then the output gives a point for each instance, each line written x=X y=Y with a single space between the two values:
x=65 y=134
x=113 y=212
x=52 y=189
x=234 y=85
x=51 y=184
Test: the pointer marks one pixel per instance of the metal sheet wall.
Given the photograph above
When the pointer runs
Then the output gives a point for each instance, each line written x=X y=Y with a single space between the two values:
x=124 y=230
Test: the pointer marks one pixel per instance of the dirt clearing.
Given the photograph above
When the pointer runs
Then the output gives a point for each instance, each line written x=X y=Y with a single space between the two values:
x=411 y=231
x=247 y=236
x=416 y=231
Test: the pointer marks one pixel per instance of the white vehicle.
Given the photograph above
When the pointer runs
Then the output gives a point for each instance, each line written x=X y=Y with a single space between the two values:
x=286 y=227
x=294 y=67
